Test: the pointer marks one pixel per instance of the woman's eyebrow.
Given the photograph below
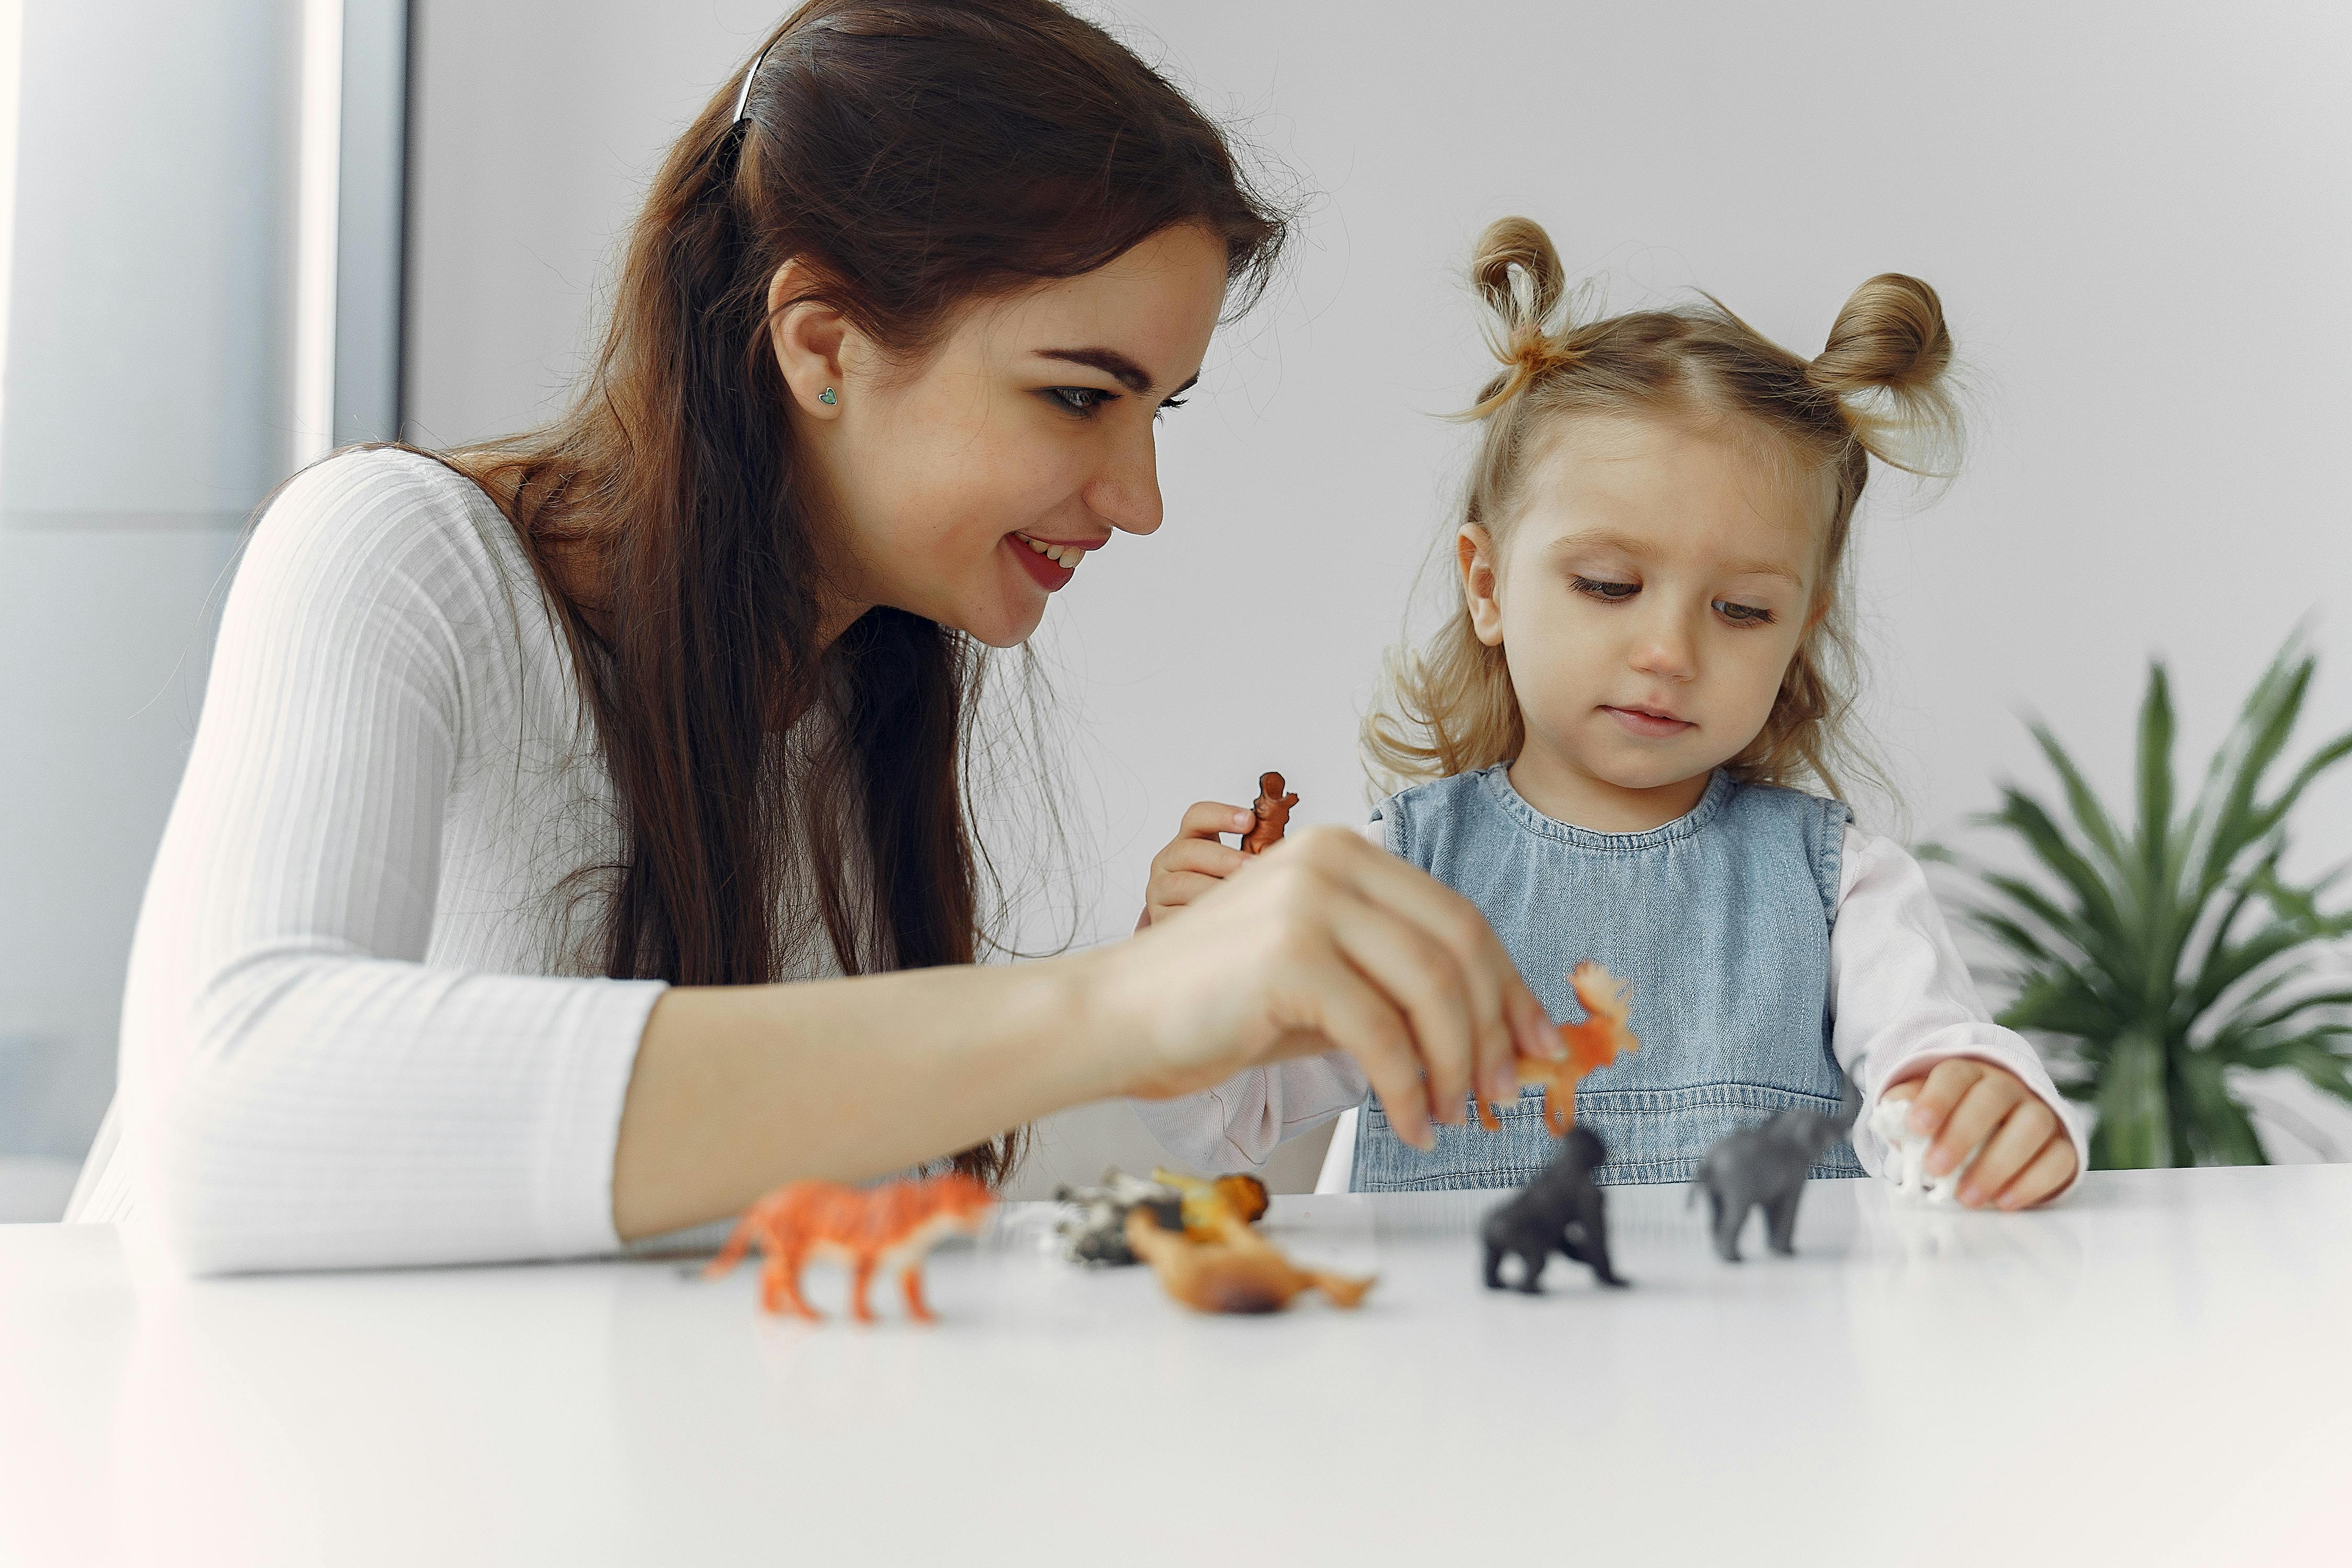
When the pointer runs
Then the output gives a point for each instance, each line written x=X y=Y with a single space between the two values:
x=1115 y=364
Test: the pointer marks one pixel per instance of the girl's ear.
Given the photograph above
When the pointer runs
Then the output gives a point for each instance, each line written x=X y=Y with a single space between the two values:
x=812 y=341
x=1473 y=554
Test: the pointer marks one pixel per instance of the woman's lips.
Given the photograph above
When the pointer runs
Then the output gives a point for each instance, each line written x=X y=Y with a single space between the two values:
x=1048 y=575
x=1649 y=726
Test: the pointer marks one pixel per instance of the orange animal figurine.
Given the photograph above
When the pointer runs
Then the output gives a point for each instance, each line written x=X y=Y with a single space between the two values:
x=1272 y=809
x=888 y=1227
x=1207 y=1202
x=1240 y=1271
x=1594 y=1043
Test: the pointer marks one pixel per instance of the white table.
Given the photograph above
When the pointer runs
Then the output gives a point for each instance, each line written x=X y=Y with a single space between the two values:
x=2159 y=1372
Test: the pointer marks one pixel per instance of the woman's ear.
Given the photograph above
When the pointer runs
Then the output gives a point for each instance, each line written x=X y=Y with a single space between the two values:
x=1473 y=554
x=812 y=341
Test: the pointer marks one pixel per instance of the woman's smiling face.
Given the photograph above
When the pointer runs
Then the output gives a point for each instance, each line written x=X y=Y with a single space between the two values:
x=1649 y=595
x=969 y=486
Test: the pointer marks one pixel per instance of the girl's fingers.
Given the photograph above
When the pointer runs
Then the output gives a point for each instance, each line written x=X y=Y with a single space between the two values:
x=1204 y=819
x=2012 y=1146
x=1988 y=1101
x=1205 y=856
x=1172 y=889
x=1946 y=1083
x=1423 y=979
x=2044 y=1174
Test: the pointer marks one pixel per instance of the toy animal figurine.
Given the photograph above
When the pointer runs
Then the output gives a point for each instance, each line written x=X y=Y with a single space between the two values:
x=1764 y=1167
x=1906 y=1153
x=1239 y=1272
x=1594 y=1043
x=1560 y=1211
x=1243 y=1196
x=890 y=1226
x=1096 y=1235
x=1272 y=809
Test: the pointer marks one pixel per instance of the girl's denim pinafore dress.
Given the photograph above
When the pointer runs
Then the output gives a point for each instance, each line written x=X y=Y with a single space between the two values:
x=1720 y=920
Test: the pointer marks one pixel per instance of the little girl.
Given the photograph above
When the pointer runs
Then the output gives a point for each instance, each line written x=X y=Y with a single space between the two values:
x=1602 y=750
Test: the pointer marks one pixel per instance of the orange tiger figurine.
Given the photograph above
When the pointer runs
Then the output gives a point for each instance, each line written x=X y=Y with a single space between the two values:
x=1594 y=1043
x=891 y=1226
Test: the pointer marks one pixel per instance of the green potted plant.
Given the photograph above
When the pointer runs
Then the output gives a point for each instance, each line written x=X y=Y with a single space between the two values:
x=2148 y=962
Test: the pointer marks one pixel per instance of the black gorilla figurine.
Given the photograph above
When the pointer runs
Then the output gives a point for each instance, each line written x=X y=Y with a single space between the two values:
x=1559 y=1210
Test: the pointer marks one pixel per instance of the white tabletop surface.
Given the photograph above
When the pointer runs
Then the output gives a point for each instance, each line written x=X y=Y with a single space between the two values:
x=2158 y=1372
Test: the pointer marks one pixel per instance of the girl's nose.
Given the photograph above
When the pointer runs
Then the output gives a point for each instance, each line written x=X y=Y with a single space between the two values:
x=1665 y=649
x=1124 y=493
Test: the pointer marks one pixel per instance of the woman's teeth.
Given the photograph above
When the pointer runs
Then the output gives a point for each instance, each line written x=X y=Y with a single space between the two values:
x=1068 y=556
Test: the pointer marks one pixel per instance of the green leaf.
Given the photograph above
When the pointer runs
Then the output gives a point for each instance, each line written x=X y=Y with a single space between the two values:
x=2089 y=814
x=2299 y=1006
x=2218 y=1122
x=2134 y=1129
x=2155 y=728
x=2025 y=816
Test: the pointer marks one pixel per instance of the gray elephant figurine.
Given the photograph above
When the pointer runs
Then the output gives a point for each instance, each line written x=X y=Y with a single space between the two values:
x=1764 y=1167
x=1560 y=1210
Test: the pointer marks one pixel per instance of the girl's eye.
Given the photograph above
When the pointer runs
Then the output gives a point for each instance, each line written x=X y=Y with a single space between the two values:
x=1743 y=614
x=1607 y=593
x=1080 y=400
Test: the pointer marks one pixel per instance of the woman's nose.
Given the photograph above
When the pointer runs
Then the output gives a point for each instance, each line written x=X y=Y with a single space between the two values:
x=1125 y=492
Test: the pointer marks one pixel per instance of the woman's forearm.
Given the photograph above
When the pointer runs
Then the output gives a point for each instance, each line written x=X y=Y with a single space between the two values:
x=737 y=1088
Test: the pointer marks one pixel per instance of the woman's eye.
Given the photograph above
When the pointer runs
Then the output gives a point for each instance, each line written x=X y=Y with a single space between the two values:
x=1607 y=593
x=1743 y=614
x=1164 y=407
x=1080 y=399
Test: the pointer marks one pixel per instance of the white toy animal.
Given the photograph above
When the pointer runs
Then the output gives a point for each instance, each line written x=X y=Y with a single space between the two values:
x=1906 y=1150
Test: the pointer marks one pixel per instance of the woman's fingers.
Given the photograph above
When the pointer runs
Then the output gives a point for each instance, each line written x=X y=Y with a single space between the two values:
x=1508 y=1021
x=1345 y=1009
x=2044 y=1174
x=2013 y=1145
x=1423 y=979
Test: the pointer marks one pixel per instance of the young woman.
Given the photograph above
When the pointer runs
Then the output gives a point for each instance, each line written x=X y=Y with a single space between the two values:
x=574 y=842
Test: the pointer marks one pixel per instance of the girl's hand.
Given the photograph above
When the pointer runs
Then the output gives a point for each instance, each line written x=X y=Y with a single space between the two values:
x=1961 y=1103
x=1194 y=860
x=1328 y=942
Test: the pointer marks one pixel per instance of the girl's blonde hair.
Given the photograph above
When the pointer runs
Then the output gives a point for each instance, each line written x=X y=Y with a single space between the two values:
x=1879 y=390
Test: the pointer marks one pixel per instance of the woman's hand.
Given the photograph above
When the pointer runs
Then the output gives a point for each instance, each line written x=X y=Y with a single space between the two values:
x=2026 y=1153
x=1322 y=942
x=1195 y=860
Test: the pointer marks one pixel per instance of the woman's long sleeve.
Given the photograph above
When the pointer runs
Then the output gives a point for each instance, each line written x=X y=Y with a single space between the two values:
x=300 y=1088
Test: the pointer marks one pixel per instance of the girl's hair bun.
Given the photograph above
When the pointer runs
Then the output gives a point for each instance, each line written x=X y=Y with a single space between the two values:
x=1890 y=337
x=1518 y=275
x=1888 y=361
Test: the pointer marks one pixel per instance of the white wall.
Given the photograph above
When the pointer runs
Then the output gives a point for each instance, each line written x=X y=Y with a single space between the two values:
x=144 y=262
x=2139 y=216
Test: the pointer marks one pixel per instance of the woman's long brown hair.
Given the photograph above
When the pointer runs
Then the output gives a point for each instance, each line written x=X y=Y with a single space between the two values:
x=916 y=155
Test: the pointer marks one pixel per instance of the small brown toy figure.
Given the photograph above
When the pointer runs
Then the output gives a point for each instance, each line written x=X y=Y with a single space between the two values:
x=1244 y=1197
x=1239 y=1272
x=892 y=1225
x=1594 y=1043
x=1272 y=809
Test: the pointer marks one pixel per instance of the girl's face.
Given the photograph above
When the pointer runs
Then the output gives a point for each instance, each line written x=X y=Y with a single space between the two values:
x=969 y=488
x=1649 y=597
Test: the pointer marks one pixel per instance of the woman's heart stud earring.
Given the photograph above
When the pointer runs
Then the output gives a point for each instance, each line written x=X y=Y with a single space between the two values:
x=827 y=398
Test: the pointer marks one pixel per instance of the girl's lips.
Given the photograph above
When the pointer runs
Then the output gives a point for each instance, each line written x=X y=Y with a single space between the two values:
x=1649 y=726
x=1047 y=575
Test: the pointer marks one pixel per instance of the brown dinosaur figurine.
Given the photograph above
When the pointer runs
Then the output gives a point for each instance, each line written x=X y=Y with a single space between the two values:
x=1272 y=809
